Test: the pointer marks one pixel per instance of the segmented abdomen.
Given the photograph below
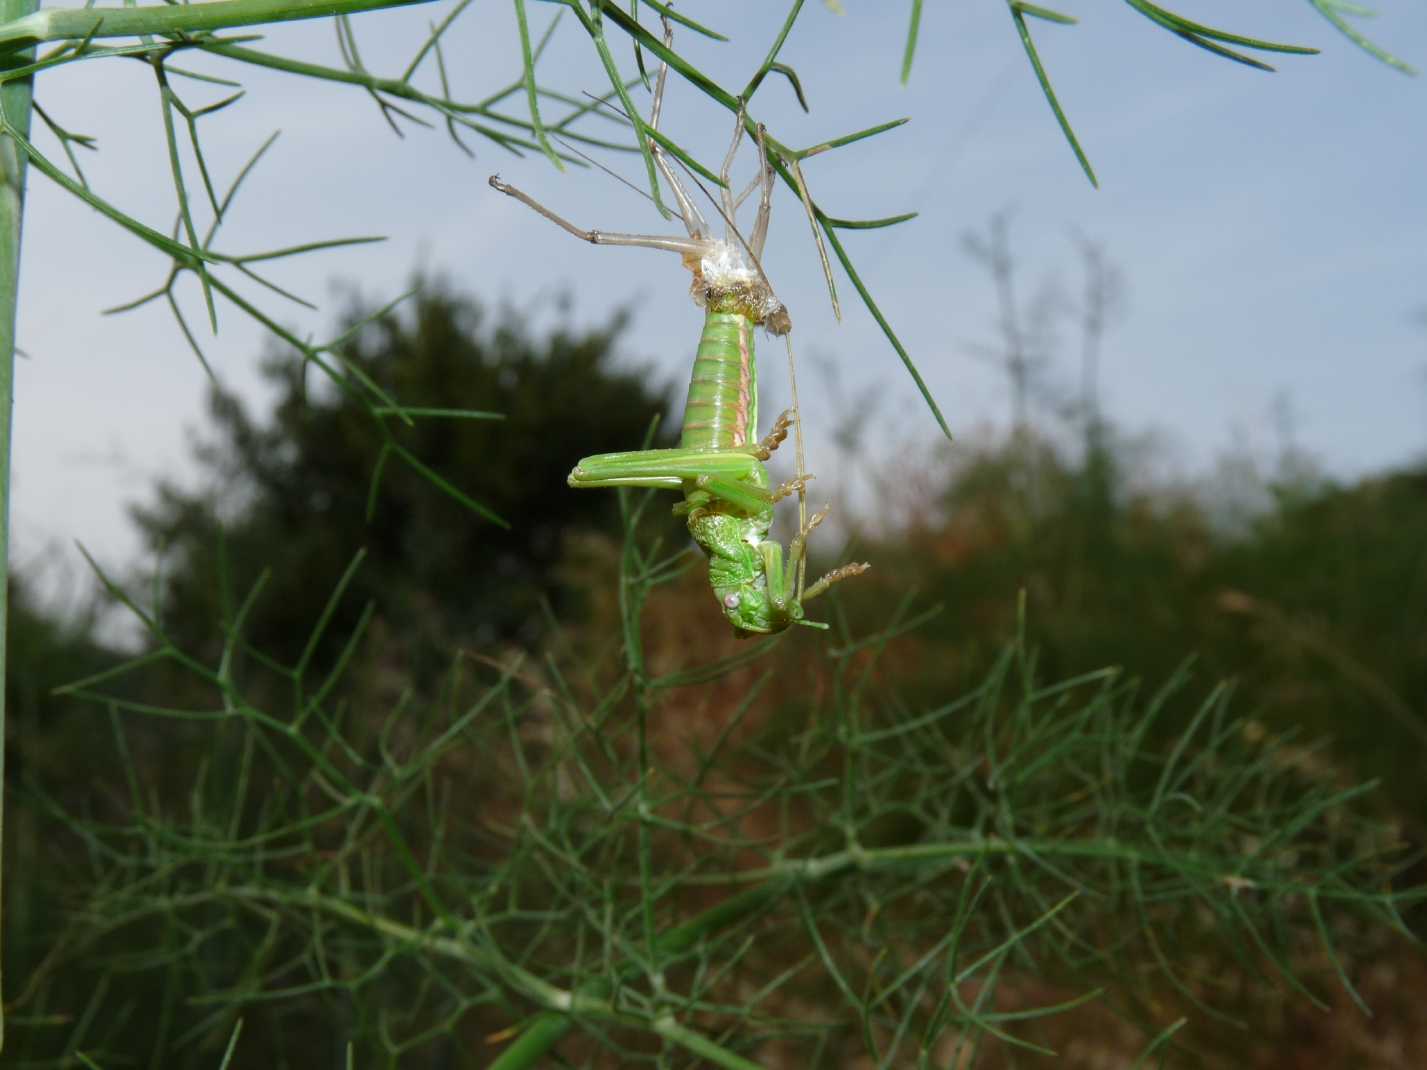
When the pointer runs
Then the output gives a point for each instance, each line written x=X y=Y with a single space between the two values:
x=722 y=409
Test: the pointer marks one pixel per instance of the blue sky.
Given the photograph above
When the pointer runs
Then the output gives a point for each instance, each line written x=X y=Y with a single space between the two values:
x=1270 y=226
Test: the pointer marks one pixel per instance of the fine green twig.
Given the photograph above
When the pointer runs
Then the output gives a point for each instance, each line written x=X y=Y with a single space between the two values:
x=1338 y=12
x=1209 y=38
x=92 y=23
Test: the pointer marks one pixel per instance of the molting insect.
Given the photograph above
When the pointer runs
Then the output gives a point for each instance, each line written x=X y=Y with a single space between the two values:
x=718 y=465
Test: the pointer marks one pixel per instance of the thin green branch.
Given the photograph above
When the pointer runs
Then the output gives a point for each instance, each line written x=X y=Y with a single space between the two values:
x=848 y=139
x=771 y=60
x=393 y=87
x=90 y=23
x=532 y=99
x=167 y=102
x=910 y=51
x=594 y=26
x=433 y=39
x=829 y=228
x=1019 y=11
x=1335 y=10
x=1188 y=28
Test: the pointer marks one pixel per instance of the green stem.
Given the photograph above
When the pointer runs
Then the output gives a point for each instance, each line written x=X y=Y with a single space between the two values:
x=544 y=1031
x=533 y=1042
x=15 y=104
x=535 y=1039
x=24 y=25
x=633 y=589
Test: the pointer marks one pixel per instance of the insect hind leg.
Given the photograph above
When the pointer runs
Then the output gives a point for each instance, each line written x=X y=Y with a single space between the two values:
x=730 y=206
x=744 y=496
x=682 y=246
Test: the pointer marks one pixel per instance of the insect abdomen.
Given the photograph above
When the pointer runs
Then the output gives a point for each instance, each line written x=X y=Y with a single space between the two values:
x=722 y=408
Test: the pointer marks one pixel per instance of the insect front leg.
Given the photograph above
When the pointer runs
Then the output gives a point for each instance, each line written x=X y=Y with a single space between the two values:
x=770 y=442
x=784 y=605
x=790 y=486
x=781 y=583
x=855 y=568
x=797 y=551
x=776 y=434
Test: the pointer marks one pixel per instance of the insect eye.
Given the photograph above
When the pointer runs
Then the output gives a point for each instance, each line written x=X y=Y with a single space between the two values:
x=730 y=601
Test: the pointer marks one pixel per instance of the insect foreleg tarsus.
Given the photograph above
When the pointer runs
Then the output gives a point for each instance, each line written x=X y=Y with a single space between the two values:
x=775 y=436
x=791 y=486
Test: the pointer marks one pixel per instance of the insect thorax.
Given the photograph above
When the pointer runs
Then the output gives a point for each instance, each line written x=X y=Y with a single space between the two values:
x=724 y=281
x=728 y=539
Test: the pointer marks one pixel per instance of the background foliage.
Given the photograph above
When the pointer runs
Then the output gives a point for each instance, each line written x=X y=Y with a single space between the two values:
x=383 y=816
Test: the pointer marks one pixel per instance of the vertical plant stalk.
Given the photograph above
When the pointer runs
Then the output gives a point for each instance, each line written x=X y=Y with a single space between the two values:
x=15 y=102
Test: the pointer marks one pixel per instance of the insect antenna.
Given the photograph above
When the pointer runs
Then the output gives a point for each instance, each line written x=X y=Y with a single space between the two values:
x=607 y=170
